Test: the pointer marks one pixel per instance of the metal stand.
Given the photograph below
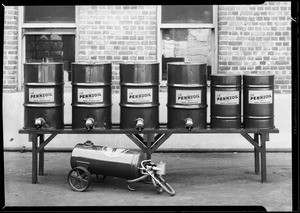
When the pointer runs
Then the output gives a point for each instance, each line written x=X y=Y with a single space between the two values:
x=259 y=147
x=148 y=141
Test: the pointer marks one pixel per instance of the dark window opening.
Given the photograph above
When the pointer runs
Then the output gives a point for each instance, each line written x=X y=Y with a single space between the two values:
x=51 y=48
x=187 y=14
x=49 y=14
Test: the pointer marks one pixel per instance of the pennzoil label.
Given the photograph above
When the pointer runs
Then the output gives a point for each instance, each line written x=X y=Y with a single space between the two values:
x=188 y=96
x=41 y=94
x=90 y=95
x=260 y=97
x=227 y=98
x=113 y=152
x=139 y=95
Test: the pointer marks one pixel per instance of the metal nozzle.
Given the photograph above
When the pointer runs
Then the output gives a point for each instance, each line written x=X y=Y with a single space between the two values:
x=89 y=123
x=139 y=124
x=39 y=123
x=189 y=123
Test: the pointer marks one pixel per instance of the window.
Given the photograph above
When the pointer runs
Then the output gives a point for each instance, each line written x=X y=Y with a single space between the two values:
x=49 y=14
x=187 y=33
x=47 y=35
x=51 y=48
x=186 y=14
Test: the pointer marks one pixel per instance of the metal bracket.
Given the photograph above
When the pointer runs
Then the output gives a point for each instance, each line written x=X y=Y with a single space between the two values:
x=46 y=142
x=251 y=140
x=159 y=141
x=265 y=136
x=137 y=140
x=150 y=142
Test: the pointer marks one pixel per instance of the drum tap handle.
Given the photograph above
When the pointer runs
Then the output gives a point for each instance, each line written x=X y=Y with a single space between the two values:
x=39 y=123
x=89 y=123
x=189 y=123
x=139 y=124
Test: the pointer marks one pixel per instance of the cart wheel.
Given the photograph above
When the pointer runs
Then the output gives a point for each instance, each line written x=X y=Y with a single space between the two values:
x=99 y=178
x=79 y=179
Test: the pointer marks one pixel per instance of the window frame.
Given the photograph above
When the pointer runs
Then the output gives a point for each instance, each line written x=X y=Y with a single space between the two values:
x=49 y=28
x=213 y=26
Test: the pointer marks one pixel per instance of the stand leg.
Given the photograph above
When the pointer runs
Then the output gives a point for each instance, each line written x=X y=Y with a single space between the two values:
x=41 y=156
x=34 y=158
x=149 y=139
x=263 y=159
x=256 y=154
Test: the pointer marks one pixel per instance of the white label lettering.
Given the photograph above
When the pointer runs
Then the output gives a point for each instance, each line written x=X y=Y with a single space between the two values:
x=260 y=97
x=90 y=95
x=227 y=98
x=139 y=95
x=188 y=96
x=41 y=94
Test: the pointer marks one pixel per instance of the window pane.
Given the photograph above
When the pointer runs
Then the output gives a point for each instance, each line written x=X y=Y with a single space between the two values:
x=51 y=48
x=185 y=44
x=49 y=14
x=186 y=14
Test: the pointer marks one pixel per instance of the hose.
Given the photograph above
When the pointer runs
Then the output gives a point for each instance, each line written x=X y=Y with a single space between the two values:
x=138 y=179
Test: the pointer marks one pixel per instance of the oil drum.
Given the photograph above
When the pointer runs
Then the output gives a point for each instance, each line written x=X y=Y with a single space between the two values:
x=258 y=101
x=187 y=86
x=107 y=161
x=91 y=95
x=225 y=101
x=139 y=95
x=44 y=102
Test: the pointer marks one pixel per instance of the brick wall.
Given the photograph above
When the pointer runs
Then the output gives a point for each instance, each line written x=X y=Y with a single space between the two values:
x=252 y=39
x=257 y=39
x=10 y=49
x=117 y=34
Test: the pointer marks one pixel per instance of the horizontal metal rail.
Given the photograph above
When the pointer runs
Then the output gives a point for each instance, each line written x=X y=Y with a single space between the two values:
x=115 y=129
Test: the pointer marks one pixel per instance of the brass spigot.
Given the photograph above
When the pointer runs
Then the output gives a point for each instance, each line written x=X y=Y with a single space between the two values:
x=189 y=123
x=39 y=123
x=139 y=124
x=89 y=123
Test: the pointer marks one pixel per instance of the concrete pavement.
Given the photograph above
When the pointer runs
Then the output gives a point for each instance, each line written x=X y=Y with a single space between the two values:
x=199 y=179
